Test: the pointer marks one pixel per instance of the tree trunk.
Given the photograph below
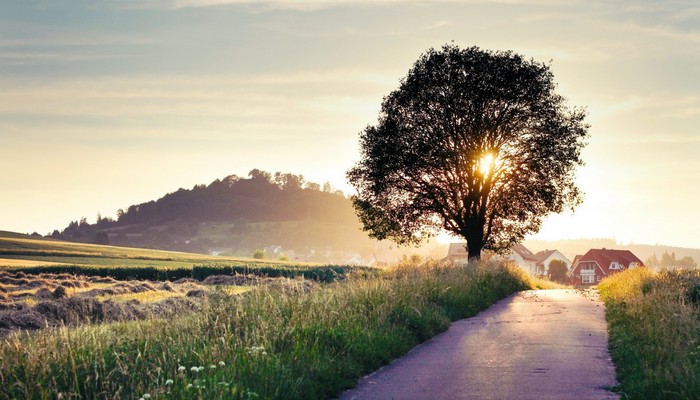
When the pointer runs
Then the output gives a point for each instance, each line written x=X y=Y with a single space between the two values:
x=475 y=242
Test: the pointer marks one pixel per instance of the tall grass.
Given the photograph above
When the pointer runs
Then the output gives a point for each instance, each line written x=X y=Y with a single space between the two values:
x=268 y=343
x=654 y=324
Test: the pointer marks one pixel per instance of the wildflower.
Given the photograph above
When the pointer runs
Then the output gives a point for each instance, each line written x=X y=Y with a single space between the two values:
x=200 y=369
x=181 y=368
x=190 y=386
x=222 y=364
x=212 y=366
x=146 y=396
x=169 y=382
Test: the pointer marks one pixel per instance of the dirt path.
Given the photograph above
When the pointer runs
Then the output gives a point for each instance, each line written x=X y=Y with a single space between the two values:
x=545 y=344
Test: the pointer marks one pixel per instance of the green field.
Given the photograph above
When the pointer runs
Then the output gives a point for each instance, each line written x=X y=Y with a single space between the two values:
x=18 y=246
x=36 y=254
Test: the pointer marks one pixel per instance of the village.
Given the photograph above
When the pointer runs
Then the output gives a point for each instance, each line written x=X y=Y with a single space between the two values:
x=585 y=270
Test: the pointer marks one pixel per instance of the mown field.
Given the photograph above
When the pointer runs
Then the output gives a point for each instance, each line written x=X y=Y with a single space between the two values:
x=654 y=324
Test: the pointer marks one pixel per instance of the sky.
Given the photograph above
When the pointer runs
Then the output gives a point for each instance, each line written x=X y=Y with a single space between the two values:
x=105 y=104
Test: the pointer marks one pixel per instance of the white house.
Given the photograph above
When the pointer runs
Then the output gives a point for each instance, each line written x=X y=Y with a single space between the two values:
x=546 y=257
x=535 y=263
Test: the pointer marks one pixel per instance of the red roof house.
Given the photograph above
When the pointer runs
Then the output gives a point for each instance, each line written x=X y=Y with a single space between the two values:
x=596 y=264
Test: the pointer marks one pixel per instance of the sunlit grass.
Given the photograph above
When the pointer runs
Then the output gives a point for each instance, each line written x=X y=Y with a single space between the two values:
x=9 y=262
x=654 y=325
x=235 y=290
x=32 y=250
x=271 y=342
x=143 y=297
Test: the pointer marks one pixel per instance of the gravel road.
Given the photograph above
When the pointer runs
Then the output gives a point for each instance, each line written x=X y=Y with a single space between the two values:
x=542 y=344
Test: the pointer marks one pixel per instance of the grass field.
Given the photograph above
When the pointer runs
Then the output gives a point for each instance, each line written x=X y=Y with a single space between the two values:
x=654 y=324
x=271 y=342
x=40 y=255
x=18 y=246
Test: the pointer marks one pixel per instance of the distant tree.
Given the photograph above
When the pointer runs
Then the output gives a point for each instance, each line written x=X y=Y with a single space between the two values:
x=558 y=270
x=687 y=262
x=312 y=186
x=473 y=142
x=257 y=174
x=101 y=238
x=258 y=254
x=652 y=262
x=289 y=181
x=668 y=260
x=327 y=187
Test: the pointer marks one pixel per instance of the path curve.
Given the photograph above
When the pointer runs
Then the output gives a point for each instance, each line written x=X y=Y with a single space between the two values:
x=540 y=344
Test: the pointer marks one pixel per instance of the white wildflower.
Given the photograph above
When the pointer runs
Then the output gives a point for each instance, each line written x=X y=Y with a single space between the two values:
x=222 y=364
x=146 y=396
x=194 y=369
x=169 y=382
x=212 y=366
x=181 y=368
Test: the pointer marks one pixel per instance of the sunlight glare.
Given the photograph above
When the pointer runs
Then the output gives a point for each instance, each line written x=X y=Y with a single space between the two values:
x=486 y=164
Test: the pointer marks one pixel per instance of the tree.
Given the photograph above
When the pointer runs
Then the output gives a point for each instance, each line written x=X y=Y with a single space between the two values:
x=557 y=270
x=473 y=142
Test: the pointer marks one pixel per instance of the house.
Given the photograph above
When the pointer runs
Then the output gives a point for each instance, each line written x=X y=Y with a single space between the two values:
x=596 y=264
x=544 y=258
x=457 y=252
x=523 y=258
x=537 y=264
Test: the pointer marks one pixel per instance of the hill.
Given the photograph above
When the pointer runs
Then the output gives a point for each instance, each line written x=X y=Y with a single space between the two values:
x=280 y=213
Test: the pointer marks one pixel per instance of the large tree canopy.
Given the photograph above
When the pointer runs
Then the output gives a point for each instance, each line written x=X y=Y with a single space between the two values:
x=474 y=142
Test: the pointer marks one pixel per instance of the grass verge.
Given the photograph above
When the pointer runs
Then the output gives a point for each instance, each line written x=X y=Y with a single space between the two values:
x=267 y=343
x=654 y=325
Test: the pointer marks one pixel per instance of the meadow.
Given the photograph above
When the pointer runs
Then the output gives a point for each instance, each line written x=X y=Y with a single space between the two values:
x=30 y=254
x=654 y=325
x=290 y=341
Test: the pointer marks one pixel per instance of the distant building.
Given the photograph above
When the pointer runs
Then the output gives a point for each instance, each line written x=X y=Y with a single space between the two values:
x=457 y=252
x=535 y=263
x=523 y=257
x=544 y=258
x=596 y=264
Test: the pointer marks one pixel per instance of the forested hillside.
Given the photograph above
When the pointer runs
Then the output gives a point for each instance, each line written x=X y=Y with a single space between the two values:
x=234 y=215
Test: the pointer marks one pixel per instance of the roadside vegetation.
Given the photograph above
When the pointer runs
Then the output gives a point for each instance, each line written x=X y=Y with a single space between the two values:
x=654 y=324
x=291 y=341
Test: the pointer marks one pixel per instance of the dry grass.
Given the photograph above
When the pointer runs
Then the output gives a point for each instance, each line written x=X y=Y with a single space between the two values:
x=142 y=297
x=289 y=341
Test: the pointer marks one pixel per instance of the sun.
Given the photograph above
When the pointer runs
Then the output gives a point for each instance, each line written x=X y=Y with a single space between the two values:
x=486 y=164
